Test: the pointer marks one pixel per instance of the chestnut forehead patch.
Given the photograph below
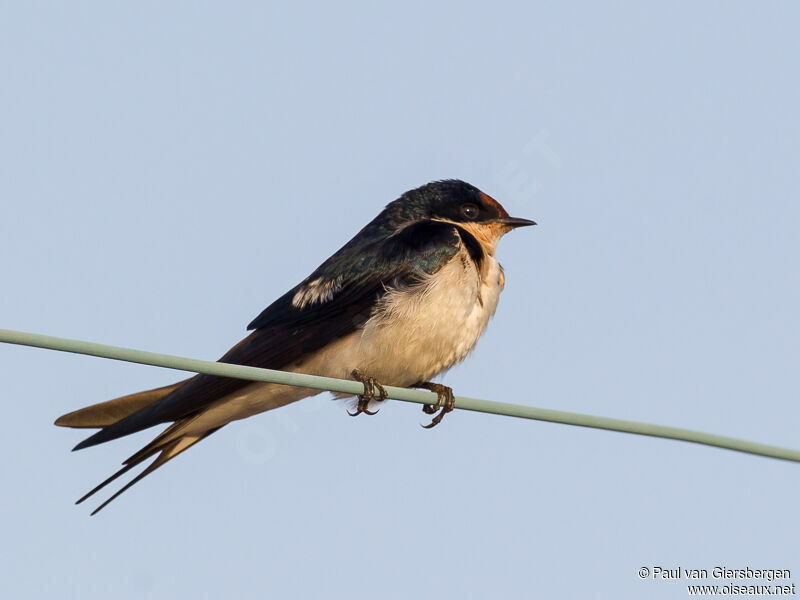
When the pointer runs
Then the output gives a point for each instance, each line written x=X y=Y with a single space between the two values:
x=489 y=201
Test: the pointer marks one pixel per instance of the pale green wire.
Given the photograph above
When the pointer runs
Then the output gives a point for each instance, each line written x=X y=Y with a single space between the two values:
x=396 y=393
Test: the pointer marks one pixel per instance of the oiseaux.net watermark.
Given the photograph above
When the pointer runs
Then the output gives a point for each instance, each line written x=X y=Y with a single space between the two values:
x=724 y=581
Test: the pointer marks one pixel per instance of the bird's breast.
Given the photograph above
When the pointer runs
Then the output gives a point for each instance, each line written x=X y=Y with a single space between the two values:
x=418 y=332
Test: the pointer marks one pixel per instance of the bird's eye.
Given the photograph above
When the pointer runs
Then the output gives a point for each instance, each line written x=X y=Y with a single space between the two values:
x=470 y=211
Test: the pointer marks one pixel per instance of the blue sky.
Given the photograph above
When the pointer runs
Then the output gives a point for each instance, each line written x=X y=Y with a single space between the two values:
x=168 y=169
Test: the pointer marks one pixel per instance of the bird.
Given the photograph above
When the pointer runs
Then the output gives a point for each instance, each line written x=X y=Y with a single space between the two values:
x=403 y=301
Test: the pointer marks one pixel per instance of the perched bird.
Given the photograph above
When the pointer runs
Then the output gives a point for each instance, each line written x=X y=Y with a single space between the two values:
x=404 y=300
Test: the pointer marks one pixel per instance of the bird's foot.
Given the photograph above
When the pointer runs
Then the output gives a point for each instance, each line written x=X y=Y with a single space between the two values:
x=446 y=402
x=369 y=394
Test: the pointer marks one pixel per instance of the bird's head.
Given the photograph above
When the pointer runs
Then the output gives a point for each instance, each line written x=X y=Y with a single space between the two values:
x=457 y=202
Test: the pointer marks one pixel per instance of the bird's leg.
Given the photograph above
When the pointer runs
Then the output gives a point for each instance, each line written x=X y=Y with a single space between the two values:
x=446 y=401
x=369 y=393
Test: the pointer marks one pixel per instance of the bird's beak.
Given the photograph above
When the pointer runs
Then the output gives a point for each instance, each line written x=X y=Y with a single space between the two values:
x=514 y=222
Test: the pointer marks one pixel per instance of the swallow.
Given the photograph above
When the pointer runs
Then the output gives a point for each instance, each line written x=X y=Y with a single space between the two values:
x=404 y=300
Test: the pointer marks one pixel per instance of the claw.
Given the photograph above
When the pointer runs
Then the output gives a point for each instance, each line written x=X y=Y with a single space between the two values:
x=445 y=401
x=436 y=420
x=369 y=394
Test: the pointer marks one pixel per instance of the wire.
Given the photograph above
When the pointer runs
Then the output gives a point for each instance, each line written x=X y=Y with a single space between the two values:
x=407 y=395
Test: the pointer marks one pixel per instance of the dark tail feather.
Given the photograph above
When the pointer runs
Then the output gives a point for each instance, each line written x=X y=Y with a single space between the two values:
x=142 y=455
x=162 y=458
x=168 y=450
x=112 y=411
x=141 y=411
x=139 y=457
x=100 y=486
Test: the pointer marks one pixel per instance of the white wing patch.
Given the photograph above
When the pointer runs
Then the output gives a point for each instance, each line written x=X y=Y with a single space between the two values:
x=319 y=290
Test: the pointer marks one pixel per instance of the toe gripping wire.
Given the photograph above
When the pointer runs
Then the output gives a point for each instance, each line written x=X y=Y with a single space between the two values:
x=446 y=401
x=370 y=385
